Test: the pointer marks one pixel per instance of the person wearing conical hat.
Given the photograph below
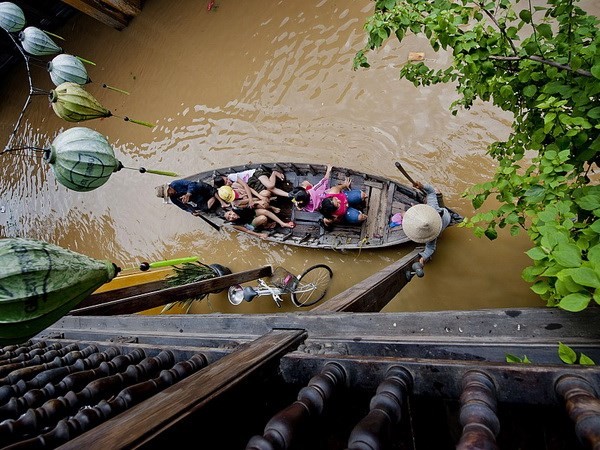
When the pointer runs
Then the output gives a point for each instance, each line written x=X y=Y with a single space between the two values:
x=191 y=196
x=423 y=223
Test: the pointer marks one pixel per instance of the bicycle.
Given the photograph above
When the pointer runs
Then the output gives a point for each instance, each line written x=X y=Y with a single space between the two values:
x=304 y=290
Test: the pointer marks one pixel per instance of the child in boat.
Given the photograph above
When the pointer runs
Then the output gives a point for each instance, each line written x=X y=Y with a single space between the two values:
x=343 y=204
x=241 y=195
x=249 y=220
x=308 y=197
x=260 y=183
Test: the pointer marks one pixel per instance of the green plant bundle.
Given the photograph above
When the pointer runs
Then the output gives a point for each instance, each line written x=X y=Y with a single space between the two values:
x=186 y=273
x=542 y=64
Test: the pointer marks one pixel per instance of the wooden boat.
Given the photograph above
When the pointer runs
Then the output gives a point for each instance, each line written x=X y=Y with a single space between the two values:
x=385 y=198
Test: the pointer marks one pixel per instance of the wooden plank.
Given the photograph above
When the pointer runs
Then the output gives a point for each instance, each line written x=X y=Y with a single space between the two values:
x=113 y=19
x=373 y=293
x=128 y=7
x=378 y=219
x=153 y=299
x=147 y=420
x=116 y=294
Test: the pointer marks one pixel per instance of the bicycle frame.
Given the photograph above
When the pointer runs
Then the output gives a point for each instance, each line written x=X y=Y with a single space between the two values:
x=237 y=293
x=287 y=284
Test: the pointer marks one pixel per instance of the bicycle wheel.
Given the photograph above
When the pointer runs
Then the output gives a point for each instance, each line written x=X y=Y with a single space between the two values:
x=312 y=285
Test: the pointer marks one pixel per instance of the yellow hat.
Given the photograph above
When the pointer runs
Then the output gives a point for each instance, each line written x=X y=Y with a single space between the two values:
x=226 y=193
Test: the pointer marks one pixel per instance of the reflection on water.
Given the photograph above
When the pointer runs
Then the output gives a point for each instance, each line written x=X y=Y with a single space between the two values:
x=256 y=82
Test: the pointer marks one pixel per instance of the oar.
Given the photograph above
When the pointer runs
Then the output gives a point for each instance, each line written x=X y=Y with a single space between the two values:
x=210 y=222
x=404 y=172
x=408 y=177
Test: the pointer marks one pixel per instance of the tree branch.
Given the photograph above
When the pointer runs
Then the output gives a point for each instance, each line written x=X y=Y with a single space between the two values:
x=539 y=59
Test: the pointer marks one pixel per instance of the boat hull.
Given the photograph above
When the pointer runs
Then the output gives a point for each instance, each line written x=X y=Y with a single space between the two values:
x=385 y=198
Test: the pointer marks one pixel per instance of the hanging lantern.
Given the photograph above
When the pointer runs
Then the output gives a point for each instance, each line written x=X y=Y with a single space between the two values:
x=74 y=104
x=41 y=283
x=12 y=18
x=81 y=159
x=36 y=42
x=67 y=68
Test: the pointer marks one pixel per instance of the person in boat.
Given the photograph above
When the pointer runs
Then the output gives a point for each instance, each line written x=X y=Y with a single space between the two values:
x=240 y=194
x=308 y=197
x=253 y=220
x=262 y=182
x=192 y=196
x=343 y=204
x=424 y=222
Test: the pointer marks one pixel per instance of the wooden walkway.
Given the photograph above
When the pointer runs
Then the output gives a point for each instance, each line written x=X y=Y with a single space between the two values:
x=322 y=379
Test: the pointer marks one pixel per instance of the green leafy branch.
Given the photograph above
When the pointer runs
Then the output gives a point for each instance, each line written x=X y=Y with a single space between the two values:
x=542 y=64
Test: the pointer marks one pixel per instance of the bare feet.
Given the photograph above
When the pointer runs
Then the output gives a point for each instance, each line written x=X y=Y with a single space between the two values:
x=288 y=225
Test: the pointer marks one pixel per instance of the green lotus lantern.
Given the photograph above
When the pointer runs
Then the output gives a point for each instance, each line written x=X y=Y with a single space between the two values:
x=35 y=42
x=82 y=159
x=73 y=103
x=12 y=18
x=40 y=283
x=67 y=68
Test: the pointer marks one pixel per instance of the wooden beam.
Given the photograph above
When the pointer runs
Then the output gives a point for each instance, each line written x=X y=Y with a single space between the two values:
x=141 y=424
x=148 y=300
x=128 y=7
x=372 y=294
x=112 y=18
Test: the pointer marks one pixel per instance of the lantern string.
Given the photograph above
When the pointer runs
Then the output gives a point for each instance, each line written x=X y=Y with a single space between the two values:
x=112 y=88
x=139 y=122
x=54 y=35
x=31 y=91
x=87 y=61
x=156 y=172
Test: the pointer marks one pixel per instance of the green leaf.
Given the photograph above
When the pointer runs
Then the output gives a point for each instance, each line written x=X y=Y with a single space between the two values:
x=536 y=253
x=567 y=255
x=513 y=359
x=586 y=277
x=596 y=71
x=586 y=360
x=589 y=202
x=529 y=91
x=525 y=15
x=544 y=30
x=594 y=113
x=566 y=354
x=575 y=302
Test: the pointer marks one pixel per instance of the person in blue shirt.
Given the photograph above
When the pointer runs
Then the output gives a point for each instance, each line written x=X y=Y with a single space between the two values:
x=423 y=223
x=192 y=196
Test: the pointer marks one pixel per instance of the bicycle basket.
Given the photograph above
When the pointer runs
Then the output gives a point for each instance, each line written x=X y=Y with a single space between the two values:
x=283 y=279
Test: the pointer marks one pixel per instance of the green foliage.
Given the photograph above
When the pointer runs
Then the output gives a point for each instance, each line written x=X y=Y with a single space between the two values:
x=186 y=273
x=569 y=356
x=515 y=359
x=542 y=64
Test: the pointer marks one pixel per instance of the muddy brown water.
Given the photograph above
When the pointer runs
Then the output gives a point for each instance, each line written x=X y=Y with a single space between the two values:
x=257 y=82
